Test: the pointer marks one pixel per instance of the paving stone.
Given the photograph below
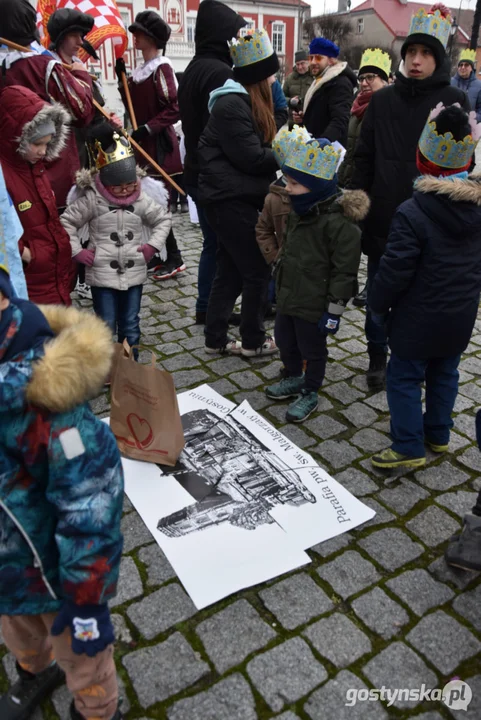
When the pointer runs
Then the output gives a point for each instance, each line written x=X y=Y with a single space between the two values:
x=129 y=585
x=135 y=532
x=349 y=573
x=463 y=403
x=419 y=590
x=180 y=362
x=391 y=548
x=370 y=441
x=193 y=343
x=433 y=526
x=443 y=641
x=298 y=436
x=328 y=547
x=163 y=670
x=354 y=347
x=246 y=379
x=356 y=482
x=465 y=425
x=330 y=700
x=127 y=505
x=457 y=442
x=286 y=673
x=359 y=362
x=255 y=398
x=230 y=699
x=442 y=477
x=474 y=710
x=160 y=610
x=471 y=459
x=100 y=404
x=471 y=390
x=232 y=634
x=325 y=426
x=227 y=365
x=380 y=613
x=335 y=372
x=378 y=402
x=429 y=716
x=296 y=600
x=338 y=639
x=271 y=370
x=468 y=605
x=359 y=415
x=381 y=517
x=404 y=496
x=159 y=570
x=471 y=365
x=223 y=387
x=186 y=378
x=399 y=662
x=445 y=573
x=336 y=353
x=343 y=393
x=166 y=349
x=338 y=453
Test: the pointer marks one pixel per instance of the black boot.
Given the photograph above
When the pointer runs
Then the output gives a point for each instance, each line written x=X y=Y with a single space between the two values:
x=376 y=374
x=75 y=715
x=29 y=691
x=360 y=300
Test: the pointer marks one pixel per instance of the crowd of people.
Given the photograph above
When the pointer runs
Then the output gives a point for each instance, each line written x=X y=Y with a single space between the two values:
x=291 y=185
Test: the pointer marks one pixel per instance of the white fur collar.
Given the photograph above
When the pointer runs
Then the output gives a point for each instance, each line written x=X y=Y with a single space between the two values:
x=329 y=74
x=145 y=70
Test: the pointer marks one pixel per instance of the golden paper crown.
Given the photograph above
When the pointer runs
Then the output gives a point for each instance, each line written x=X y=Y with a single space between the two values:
x=285 y=139
x=122 y=151
x=251 y=49
x=443 y=150
x=437 y=24
x=311 y=159
x=378 y=58
x=468 y=56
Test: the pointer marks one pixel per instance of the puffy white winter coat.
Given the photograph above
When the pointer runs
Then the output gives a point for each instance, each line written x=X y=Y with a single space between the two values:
x=115 y=233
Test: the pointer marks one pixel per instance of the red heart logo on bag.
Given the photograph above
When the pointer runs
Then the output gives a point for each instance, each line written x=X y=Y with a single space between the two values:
x=141 y=431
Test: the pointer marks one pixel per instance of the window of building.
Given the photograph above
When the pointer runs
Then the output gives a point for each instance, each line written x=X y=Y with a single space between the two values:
x=360 y=26
x=248 y=28
x=278 y=37
x=191 y=29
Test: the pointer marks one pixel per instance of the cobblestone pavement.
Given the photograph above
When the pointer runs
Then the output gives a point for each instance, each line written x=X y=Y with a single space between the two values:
x=377 y=607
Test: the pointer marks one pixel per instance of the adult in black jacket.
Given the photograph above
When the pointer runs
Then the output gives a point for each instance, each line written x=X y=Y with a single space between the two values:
x=210 y=67
x=236 y=166
x=385 y=157
x=328 y=101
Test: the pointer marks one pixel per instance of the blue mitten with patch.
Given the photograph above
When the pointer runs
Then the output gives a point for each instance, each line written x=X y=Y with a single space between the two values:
x=90 y=625
x=329 y=323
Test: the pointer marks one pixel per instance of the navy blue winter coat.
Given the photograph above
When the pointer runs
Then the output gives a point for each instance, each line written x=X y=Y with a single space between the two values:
x=472 y=87
x=430 y=273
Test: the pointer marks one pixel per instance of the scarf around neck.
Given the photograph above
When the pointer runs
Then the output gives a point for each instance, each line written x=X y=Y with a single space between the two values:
x=360 y=104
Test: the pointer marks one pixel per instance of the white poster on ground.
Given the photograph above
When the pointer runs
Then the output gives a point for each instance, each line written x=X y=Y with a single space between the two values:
x=243 y=502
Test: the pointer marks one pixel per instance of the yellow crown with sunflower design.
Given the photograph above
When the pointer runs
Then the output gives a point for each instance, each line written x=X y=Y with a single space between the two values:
x=284 y=140
x=122 y=151
x=378 y=58
x=467 y=56
x=312 y=159
x=436 y=24
x=251 y=49
x=443 y=150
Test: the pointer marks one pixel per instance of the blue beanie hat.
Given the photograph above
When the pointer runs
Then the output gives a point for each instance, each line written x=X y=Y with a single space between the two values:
x=322 y=46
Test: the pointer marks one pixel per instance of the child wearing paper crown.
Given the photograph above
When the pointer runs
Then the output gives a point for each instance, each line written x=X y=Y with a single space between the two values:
x=317 y=270
x=128 y=222
x=428 y=286
x=61 y=490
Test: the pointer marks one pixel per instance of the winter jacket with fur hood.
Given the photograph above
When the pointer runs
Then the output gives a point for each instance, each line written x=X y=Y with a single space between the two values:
x=116 y=231
x=272 y=223
x=48 y=275
x=61 y=479
x=430 y=273
x=328 y=101
x=319 y=259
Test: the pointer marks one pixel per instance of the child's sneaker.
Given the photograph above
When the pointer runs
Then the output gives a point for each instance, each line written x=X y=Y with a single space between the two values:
x=83 y=291
x=169 y=269
x=301 y=408
x=29 y=691
x=232 y=347
x=439 y=449
x=268 y=347
x=464 y=550
x=389 y=459
x=286 y=388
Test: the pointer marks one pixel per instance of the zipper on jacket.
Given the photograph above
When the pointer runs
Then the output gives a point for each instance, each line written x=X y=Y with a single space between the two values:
x=37 y=561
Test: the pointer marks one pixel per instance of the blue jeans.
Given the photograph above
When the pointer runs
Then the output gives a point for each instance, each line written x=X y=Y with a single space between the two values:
x=409 y=427
x=375 y=334
x=120 y=310
x=207 y=262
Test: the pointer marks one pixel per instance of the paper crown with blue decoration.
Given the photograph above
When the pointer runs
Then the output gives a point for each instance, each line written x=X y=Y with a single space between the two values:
x=432 y=29
x=313 y=158
x=285 y=139
x=442 y=149
x=253 y=57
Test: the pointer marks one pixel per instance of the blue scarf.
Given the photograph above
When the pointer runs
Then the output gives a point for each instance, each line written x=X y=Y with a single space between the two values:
x=303 y=203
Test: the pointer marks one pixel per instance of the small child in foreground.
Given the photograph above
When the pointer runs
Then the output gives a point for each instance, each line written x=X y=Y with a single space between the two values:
x=316 y=270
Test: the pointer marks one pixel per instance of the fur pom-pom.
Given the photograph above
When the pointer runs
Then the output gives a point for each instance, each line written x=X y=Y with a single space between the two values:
x=445 y=11
x=455 y=120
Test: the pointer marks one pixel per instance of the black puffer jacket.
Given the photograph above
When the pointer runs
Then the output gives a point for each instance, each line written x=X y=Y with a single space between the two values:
x=210 y=67
x=430 y=273
x=233 y=160
x=328 y=102
x=385 y=156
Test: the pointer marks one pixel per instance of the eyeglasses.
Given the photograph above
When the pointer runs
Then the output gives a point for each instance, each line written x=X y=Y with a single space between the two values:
x=127 y=187
x=369 y=78
x=316 y=58
x=464 y=65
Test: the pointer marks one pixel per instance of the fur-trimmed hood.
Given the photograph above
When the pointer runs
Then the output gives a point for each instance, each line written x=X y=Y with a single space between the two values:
x=21 y=113
x=456 y=189
x=452 y=203
x=85 y=180
x=75 y=364
x=355 y=204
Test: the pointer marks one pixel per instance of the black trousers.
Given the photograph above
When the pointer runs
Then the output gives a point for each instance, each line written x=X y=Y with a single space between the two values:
x=300 y=340
x=240 y=269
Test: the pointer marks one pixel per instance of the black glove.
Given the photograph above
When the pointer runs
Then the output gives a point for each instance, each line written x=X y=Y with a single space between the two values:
x=140 y=134
x=120 y=67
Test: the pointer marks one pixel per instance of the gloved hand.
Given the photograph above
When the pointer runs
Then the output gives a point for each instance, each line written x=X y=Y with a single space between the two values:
x=86 y=257
x=120 y=67
x=90 y=625
x=148 y=251
x=329 y=323
x=140 y=134
x=379 y=319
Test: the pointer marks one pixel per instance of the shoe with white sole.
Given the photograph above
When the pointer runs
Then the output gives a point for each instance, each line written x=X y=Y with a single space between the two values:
x=169 y=269
x=268 y=347
x=232 y=347
x=83 y=291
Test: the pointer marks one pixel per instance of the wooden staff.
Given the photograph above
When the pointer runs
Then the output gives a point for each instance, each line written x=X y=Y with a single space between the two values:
x=125 y=85
x=124 y=132
x=21 y=48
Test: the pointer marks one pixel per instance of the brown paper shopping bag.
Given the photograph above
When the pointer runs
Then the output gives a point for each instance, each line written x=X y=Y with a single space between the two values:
x=144 y=416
